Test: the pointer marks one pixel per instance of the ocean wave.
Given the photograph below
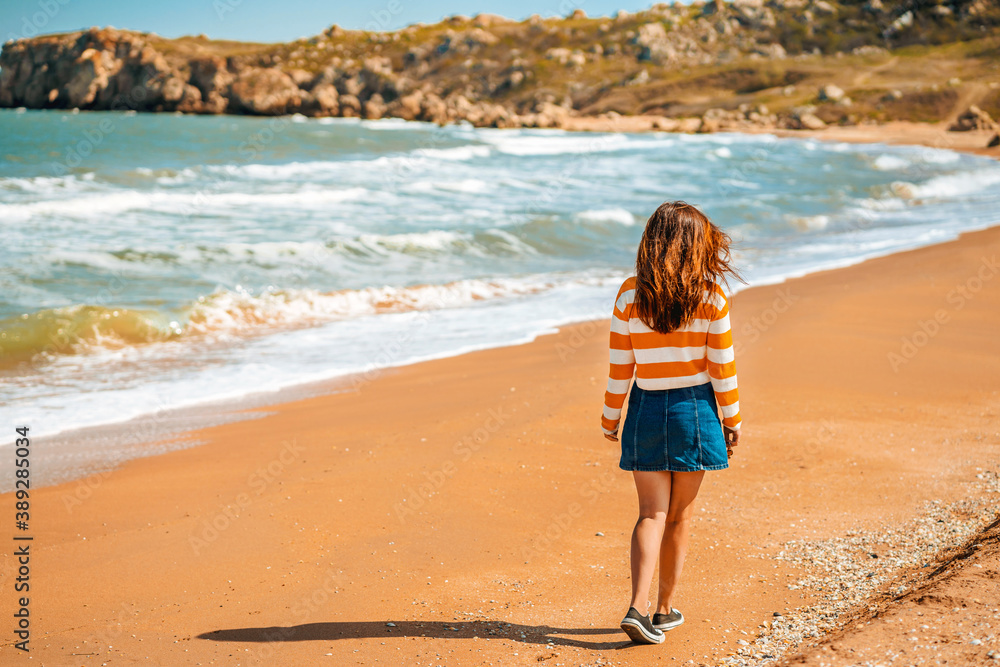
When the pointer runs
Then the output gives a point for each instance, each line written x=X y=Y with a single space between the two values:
x=47 y=185
x=464 y=185
x=77 y=329
x=324 y=169
x=457 y=153
x=617 y=216
x=321 y=255
x=890 y=162
x=953 y=185
x=182 y=203
x=483 y=243
x=82 y=329
x=810 y=223
x=559 y=142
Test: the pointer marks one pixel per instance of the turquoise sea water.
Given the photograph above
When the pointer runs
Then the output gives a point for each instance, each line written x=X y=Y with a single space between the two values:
x=155 y=261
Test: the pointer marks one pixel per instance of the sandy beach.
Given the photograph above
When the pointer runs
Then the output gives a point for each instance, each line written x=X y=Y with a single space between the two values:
x=898 y=132
x=468 y=511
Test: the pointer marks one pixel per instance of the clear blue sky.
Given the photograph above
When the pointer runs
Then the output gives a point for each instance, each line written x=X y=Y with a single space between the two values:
x=268 y=20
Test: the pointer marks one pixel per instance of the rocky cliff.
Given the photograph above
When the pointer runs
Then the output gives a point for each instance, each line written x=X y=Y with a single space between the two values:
x=739 y=62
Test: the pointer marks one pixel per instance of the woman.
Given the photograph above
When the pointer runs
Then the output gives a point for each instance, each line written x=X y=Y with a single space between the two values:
x=671 y=327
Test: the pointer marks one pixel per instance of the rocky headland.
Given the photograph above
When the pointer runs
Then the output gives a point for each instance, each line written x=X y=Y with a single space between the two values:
x=703 y=67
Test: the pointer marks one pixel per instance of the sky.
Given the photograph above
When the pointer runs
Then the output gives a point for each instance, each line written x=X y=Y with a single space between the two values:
x=268 y=20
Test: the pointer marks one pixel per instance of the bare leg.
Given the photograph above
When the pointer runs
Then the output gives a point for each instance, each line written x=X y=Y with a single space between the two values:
x=653 y=488
x=683 y=489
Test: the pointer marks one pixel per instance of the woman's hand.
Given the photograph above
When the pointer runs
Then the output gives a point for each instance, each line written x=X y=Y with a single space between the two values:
x=613 y=437
x=732 y=439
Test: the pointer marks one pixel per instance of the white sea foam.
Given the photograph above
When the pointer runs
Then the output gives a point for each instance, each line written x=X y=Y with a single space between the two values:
x=457 y=153
x=47 y=185
x=811 y=223
x=411 y=161
x=436 y=239
x=890 y=162
x=955 y=185
x=617 y=216
x=93 y=206
x=464 y=185
x=558 y=142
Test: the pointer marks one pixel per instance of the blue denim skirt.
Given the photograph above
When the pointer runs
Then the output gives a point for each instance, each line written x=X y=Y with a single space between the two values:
x=673 y=429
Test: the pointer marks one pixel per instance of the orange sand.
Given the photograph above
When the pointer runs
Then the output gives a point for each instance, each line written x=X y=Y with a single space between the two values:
x=470 y=501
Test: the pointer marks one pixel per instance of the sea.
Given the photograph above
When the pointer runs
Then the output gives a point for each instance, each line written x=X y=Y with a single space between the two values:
x=152 y=262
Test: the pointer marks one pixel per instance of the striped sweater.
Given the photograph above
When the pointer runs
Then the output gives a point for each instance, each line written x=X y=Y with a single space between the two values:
x=701 y=351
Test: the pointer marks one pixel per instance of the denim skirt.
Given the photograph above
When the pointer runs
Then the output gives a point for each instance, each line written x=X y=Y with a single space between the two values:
x=673 y=429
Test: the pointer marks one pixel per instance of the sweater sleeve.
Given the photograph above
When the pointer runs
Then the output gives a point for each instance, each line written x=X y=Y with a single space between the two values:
x=622 y=361
x=722 y=363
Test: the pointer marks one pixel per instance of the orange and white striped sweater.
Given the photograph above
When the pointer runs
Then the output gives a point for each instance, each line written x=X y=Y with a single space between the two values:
x=700 y=351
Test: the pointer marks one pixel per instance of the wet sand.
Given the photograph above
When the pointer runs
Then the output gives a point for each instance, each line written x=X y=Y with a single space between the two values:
x=468 y=510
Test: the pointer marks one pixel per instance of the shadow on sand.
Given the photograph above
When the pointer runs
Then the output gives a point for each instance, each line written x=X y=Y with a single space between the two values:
x=541 y=635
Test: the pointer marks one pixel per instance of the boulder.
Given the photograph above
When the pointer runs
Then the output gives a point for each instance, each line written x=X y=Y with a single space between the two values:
x=653 y=43
x=810 y=121
x=302 y=78
x=327 y=98
x=374 y=107
x=709 y=124
x=433 y=109
x=994 y=141
x=210 y=75
x=350 y=106
x=264 y=91
x=688 y=125
x=408 y=107
x=666 y=124
x=487 y=20
x=823 y=7
x=774 y=51
x=831 y=93
x=190 y=101
x=89 y=77
x=971 y=119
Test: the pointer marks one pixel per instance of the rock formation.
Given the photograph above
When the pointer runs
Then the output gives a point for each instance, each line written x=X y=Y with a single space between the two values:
x=491 y=71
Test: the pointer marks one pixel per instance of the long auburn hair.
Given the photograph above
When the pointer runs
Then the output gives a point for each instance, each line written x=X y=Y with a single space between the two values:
x=681 y=255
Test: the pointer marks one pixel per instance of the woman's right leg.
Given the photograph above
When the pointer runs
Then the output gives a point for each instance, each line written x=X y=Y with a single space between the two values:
x=653 y=488
x=683 y=489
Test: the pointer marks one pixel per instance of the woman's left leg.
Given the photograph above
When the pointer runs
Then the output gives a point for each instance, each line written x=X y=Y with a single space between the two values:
x=683 y=489
x=653 y=488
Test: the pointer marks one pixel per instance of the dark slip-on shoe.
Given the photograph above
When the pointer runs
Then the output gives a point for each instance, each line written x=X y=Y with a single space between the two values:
x=640 y=629
x=668 y=621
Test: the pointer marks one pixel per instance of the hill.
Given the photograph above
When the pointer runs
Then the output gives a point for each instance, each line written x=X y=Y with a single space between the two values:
x=720 y=65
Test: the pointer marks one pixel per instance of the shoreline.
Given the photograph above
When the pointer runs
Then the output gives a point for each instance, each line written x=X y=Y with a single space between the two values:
x=929 y=135
x=427 y=498
x=895 y=132
x=154 y=434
